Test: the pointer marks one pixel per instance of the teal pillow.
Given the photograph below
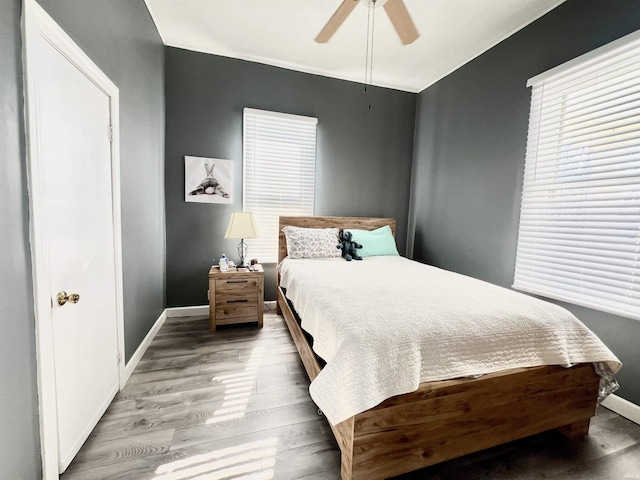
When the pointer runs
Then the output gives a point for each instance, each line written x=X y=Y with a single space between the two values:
x=374 y=242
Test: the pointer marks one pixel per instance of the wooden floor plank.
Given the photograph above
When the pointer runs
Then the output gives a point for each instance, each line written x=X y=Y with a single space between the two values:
x=308 y=460
x=221 y=426
x=624 y=464
x=96 y=453
x=142 y=468
x=147 y=364
x=266 y=385
x=286 y=437
x=164 y=374
x=235 y=403
x=110 y=428
x=178 y=346
x=182 y=415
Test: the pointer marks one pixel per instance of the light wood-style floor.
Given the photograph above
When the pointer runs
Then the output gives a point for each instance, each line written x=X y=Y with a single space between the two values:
x=235 y=404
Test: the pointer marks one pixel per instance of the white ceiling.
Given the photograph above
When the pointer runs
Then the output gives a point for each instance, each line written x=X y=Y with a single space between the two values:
x=282 y=32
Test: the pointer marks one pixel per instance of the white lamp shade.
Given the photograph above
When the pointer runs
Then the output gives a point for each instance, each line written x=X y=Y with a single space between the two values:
x=242 y=225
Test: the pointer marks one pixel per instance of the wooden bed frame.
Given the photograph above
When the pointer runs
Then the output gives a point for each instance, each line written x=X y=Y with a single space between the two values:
x=447 y=419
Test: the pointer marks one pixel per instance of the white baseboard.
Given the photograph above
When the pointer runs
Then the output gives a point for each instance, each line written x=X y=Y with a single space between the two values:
x=623 y=407
x=137 y=356
x=175 y=312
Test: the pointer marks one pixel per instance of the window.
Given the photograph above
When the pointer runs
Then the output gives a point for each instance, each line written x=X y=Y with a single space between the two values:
x=579 y=237
x=279 y=163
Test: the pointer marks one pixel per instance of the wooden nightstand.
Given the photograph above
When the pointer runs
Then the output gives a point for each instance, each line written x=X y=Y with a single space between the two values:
x=235 y=297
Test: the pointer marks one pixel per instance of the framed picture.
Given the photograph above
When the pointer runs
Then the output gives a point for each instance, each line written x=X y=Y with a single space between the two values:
x=208 y=180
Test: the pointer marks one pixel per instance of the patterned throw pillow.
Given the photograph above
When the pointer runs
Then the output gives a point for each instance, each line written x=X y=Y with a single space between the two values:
x=312 y=242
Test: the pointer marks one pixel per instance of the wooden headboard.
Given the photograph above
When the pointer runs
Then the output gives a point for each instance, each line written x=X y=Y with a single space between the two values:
x=361 y=223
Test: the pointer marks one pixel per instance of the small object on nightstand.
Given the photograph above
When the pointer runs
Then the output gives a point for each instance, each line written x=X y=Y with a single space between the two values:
x=235 y=296
x=223 y=264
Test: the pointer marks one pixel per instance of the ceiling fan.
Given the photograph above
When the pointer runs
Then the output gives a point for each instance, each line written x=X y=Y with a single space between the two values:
x=396 y=10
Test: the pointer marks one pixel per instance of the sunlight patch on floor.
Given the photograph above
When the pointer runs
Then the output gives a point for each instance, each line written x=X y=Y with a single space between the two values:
x=248 y=461
x=238 y=388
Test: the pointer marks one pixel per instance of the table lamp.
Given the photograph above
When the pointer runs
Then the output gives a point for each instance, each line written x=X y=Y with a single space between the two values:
x=242 y=225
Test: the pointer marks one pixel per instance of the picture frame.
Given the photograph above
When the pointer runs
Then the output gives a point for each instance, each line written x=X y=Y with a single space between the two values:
x=208 y=180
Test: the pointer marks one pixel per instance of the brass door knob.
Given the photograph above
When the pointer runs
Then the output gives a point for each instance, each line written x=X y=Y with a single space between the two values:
x=64 y=298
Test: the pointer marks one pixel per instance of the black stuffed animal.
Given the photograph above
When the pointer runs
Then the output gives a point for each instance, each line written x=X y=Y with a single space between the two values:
x=349 y=247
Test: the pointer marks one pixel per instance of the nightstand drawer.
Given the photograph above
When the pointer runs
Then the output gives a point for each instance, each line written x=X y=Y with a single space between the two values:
x=229 y=299
x=237 y=285
x=237 y=310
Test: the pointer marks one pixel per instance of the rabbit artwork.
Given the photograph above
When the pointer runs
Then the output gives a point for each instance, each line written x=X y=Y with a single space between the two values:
x=210 y=185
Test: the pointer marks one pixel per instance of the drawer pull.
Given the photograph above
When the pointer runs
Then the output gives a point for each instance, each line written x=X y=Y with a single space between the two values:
x=238 y=301
x=236 y=281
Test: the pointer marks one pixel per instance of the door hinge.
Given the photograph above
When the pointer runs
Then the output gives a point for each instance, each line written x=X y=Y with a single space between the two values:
x=110 y=133
x=118 y=358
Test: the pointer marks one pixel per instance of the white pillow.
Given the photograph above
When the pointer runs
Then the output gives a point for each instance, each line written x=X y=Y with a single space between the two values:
x=312 y=242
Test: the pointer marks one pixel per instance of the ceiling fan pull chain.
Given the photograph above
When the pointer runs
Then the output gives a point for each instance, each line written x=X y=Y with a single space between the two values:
x=368 y=65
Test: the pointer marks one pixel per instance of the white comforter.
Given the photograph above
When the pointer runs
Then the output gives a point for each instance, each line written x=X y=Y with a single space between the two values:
x=386 y=324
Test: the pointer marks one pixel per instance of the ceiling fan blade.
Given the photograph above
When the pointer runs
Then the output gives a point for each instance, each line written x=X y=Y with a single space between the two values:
x=401 y=20
x=336 y=20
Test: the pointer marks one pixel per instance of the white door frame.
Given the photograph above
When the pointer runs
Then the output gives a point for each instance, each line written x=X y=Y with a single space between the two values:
x=37 y=23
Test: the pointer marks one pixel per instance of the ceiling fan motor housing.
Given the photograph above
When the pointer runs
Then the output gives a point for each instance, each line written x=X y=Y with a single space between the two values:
x=376 y=3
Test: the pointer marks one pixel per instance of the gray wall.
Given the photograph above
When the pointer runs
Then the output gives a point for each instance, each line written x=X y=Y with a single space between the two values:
x=121 y=38
x=471 y=130
x=363 y=156
x=19 y=440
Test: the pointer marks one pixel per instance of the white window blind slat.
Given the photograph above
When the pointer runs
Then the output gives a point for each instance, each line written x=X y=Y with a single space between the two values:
x=625 y=125
x=607 y=104
x=586 y=97
x=615 y=257
x=619 y=87
x=602 y=195
x=614 y=140
x=581 y=179
x=609 y=250
x=611 y=302
x=579 y=235
x=279 y=162
x=612 y=283
x=576 y=163
x=614 y=305
x=613 y=265
x=562 y=186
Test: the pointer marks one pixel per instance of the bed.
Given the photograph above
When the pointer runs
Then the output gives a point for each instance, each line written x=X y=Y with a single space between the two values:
x=447 y=418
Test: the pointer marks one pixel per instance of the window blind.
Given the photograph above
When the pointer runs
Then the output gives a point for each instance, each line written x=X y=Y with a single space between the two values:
x=579 y=235
x=279 y=161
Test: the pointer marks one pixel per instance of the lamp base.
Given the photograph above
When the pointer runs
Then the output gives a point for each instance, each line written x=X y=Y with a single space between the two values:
x=242 y=253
